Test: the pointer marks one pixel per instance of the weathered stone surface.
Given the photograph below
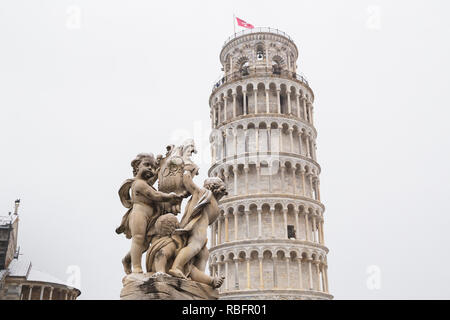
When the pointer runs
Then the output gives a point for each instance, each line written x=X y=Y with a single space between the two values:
x=162 y=286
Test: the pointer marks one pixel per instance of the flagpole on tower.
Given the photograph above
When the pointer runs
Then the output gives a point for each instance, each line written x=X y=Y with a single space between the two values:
x=234 y=23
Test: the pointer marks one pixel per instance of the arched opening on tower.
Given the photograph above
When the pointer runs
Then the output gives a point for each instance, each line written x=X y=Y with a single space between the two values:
x=239 y=101
x=260 y=53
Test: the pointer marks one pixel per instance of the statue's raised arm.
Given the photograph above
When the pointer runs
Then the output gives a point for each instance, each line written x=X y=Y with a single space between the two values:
x=143 y=201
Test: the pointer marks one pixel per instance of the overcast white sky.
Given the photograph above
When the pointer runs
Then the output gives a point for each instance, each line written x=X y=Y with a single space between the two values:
x=78 y=102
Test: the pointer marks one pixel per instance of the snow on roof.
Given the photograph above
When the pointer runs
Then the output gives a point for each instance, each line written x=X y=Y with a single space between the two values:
x=6 y=220
x=36 y=275
x=19 y=268
x=23 y=268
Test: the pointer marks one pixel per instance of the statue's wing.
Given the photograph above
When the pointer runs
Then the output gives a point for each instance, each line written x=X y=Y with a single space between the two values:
x=124 y=193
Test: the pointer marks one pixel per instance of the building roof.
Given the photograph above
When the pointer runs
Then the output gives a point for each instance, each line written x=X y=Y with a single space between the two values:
x=19 y=268
x=23 y=268
x=36 y=275
x=7 y=220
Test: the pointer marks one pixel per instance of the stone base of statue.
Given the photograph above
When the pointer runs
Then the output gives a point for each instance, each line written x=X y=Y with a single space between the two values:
x=161 y=286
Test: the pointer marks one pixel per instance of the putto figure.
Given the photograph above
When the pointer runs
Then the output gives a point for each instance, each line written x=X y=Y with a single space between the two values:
x=176 y=250
x=201 y=211
x=142 y=200
x=167 y=244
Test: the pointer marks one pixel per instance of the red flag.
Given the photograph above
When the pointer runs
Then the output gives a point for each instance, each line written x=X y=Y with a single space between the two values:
x=244 y=24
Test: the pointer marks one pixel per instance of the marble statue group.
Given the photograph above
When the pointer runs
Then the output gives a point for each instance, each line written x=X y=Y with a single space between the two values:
x=175 y=248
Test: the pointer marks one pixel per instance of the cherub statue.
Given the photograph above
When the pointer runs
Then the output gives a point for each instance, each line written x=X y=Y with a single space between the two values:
x=143 y=201
x=201 y=211
x=166 y=245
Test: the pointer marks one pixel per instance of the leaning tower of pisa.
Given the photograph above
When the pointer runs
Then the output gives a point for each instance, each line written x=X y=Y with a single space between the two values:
x=269 y=239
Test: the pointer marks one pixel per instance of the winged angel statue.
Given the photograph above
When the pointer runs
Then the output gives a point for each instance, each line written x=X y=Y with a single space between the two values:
x=173 y=247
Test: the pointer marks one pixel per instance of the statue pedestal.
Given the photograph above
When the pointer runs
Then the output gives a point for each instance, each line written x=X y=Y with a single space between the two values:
x=161 y=286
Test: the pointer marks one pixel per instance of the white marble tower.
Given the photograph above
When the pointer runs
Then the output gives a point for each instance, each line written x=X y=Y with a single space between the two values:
x=269 y=239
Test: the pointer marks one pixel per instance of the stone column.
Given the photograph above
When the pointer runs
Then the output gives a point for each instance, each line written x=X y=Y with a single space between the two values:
x=231 y=66
x=235 y=133
x=291 y=137
x=306 y=227
x=225 y=177
x=247 y=221
x=225 y=108
x=248 y=271
x=235 y=225
x=257 y=139
x=318 y=189
x=236 y=273
x=314 y=228
x=326 y=278
x=323 y=280
x=246 y=179
x=258 y=174
x=255 y=92
x=223 y=145
x=304 y=109
x=280 y=142
x=283 y=168
x=288 y=93
x=311 y=185
x=41 y=295
x=226 y=276
x=294 y=182
x=278 y=101
x=274 y=271
x=261 y=281
x=321 y=231
x=285 y=212
x=316 y=263
x=30 y=292
x=244 y=101
x=65 y=295
x=311 y=108
x=287 y=260
x=310 y=280
x=259 y=223
x=219 y=232
x=226 y=227
x=296 y=214
x=267 y=101
x=270 y=177
x=300 y=275
x=297 y=96
x=245 y=140
x=308 y=152
x=214 y=116
x=300 y=143
x=235 y=173
x=313 y=148
x=302 y=172
x=218 y=114
x=234 y=105
x=50 y=297
x=272 y=214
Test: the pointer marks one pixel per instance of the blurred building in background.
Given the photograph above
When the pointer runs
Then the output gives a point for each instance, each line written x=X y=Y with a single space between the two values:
x=18 y=279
